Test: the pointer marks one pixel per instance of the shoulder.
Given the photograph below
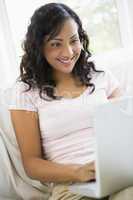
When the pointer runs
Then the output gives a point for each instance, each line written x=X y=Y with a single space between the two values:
x=104 y=76
x=20 y=87
x=106 y=80
x=22 y=98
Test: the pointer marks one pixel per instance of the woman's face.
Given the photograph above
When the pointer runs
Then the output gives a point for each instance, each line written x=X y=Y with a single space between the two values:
x=63 y=51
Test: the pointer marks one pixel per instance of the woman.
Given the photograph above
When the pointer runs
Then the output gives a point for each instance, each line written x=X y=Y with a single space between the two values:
x=54 y=98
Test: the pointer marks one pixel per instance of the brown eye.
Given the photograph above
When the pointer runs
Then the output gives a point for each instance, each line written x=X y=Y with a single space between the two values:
x=75 y=41
x=55 y=44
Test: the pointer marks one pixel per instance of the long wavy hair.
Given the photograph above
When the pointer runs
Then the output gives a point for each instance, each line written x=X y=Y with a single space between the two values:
x=34 y=68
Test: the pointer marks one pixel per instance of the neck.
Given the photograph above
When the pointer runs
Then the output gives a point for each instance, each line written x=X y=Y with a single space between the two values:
x=64 y=79
x=68 y=86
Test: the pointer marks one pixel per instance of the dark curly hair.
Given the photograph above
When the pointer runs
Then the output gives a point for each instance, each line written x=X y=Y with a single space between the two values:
x=34 y=68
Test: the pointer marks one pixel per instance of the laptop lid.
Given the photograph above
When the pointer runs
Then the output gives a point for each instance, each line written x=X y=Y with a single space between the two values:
x=113 y=124
x=114 y=139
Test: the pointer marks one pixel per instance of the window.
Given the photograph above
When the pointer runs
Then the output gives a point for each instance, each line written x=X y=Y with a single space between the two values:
x=100 y=19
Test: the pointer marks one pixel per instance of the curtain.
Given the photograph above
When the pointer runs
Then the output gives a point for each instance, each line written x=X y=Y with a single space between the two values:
x=8 y=62
x=125 y=21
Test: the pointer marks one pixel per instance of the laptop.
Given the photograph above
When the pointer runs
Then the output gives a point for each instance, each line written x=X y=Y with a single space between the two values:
x=113 y=126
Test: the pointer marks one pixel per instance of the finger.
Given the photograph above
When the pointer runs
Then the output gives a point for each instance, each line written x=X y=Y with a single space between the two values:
x=92 y=176
x=90 y=166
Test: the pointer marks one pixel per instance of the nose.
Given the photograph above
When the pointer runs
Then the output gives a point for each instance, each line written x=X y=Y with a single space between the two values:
x=67 y=51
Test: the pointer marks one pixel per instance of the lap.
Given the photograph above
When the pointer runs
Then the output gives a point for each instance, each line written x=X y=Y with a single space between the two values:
x=126 y=194
x=61 y=192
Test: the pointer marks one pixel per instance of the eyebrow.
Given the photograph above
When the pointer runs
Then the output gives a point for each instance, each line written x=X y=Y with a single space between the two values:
x=59 y=39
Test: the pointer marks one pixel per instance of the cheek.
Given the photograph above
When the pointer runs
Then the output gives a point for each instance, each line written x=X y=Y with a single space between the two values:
x=49 y=53
x=77 y=48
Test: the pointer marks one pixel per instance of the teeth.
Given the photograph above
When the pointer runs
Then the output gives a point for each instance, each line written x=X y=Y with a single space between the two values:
x=64 y=61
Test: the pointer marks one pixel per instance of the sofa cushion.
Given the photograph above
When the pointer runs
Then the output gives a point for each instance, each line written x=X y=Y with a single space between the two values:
x=120 y=63
x=16 y=180
x=5 y=121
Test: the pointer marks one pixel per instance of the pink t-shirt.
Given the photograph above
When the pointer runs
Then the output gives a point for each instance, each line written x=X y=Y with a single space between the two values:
x=66 y=125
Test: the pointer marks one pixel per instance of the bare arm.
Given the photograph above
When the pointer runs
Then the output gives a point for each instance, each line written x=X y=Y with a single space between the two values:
x=26 y=127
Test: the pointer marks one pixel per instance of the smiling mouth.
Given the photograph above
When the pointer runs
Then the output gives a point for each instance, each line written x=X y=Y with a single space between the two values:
x=66 y=61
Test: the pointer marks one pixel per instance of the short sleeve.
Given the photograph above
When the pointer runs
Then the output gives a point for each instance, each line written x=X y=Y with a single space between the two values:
x=21 y=99
x=111 y=82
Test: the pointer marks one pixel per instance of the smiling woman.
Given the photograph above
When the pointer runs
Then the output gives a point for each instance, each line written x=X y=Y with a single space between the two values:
x=62 y=125
x=55 y=134
x=57 y=128
x=62 y=52
x=62 y=47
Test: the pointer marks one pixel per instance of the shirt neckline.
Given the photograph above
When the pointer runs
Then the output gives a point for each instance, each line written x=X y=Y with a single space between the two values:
x=73 y=98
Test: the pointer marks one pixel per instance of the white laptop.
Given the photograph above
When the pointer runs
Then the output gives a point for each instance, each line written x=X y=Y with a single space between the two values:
x=113 y=124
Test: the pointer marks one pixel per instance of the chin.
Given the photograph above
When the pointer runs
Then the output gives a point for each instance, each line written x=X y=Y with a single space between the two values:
x=67 y=71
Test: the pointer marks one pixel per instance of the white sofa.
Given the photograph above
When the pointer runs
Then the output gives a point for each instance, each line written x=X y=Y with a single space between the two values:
x=120 y=62
x=14 y=184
